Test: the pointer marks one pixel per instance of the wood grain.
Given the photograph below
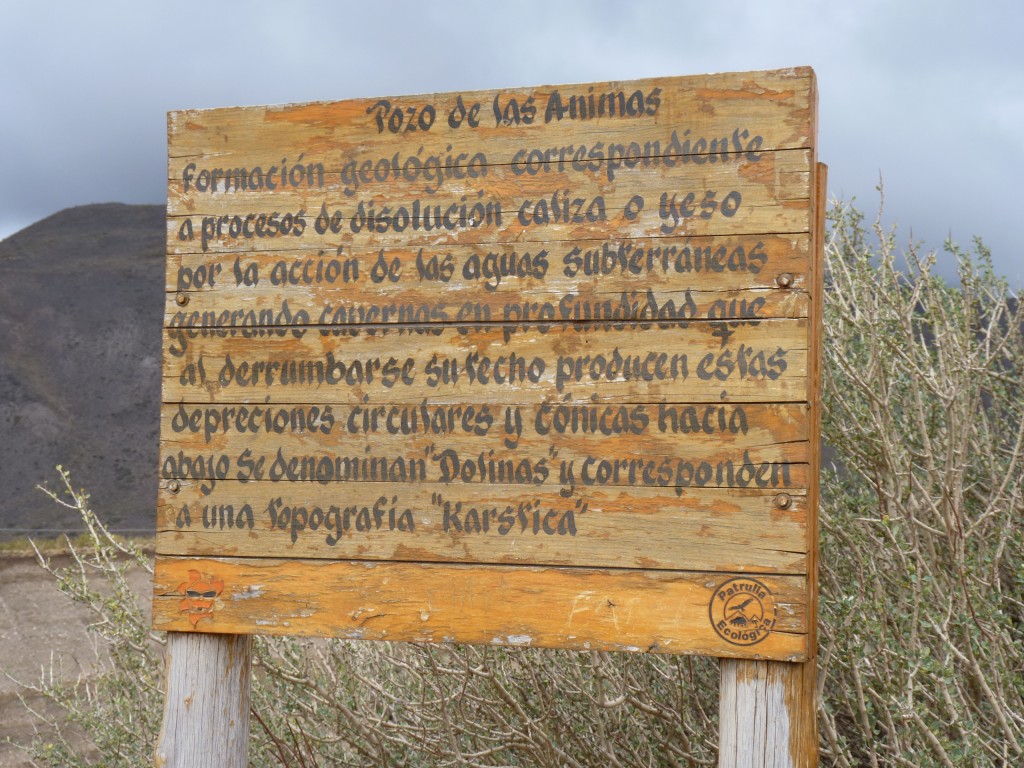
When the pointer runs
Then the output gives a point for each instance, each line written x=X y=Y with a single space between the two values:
x=764 y=433
x=584 y=609
x=699 y=529
x=773 y=178
x=767 y=715
x=684 y=363
x=775 y=104
x=270 y=306
x=712 y=265
x=761 y=214
x=206 y=705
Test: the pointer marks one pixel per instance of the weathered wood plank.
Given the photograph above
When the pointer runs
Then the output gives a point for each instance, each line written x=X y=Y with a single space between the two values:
x=727 y=278
x=489 y=270
x=710 y=433
x=789 y=218
x=768 y=198
x=774 y=105
x=344 y=306
x=699 y=529
x=652 y=611
x=770 y=177
x=444 y=466
x=759 y=361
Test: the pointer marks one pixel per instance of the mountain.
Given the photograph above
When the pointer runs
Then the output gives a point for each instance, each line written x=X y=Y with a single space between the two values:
x=81 y=304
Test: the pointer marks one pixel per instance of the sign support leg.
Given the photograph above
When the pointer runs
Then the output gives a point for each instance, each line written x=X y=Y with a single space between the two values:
x=206 y=707
x=767 y=715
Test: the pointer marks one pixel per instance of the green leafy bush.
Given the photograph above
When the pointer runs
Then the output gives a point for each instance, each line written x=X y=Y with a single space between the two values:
x=922 y=585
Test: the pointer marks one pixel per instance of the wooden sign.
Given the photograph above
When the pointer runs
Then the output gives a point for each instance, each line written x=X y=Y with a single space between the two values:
x=527 y=367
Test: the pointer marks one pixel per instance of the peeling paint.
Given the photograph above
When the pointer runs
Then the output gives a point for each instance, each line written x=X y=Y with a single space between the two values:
x=512 y=640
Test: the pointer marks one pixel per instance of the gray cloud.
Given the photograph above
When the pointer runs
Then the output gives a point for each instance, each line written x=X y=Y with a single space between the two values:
x=928 y=95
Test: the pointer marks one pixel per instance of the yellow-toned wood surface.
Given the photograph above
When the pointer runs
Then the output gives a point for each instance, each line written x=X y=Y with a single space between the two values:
x=706 y=529
x=785 y=217
x=778 y=105
x=769 y=195
x=340 y=306
x=760 y=361
x=655 y=432
x=701 y=265
x=769 y=178
x=707 y=278
x=581 y=608
x=493 y=367
x=760 y=216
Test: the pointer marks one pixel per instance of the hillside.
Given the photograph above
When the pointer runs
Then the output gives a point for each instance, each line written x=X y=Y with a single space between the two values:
x=80 y=312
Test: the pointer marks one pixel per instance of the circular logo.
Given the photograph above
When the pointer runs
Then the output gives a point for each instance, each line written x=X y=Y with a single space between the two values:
x=742 y=611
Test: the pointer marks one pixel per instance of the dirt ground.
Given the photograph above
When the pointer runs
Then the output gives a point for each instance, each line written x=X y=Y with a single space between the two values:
x=41 y=631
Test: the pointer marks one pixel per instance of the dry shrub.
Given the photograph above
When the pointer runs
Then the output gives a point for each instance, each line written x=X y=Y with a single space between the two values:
x=405 y=705
x=922 y=578
x=922 y=619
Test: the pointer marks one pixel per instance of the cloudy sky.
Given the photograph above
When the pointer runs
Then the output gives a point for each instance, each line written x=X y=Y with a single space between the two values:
x=929 y=96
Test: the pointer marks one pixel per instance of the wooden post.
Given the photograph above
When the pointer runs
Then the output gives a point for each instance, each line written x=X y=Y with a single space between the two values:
x=767 y=715
x=206 y=708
